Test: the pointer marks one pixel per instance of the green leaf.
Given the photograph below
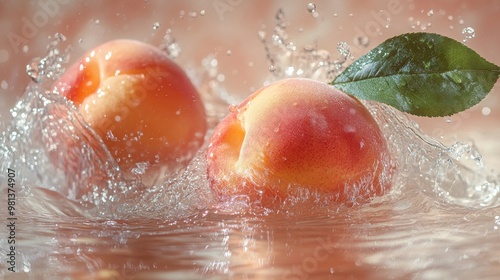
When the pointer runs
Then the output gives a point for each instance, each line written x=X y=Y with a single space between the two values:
x=423 y=74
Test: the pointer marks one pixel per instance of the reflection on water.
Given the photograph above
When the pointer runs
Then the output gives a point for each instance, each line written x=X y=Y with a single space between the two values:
x=405 y=236
x=441 y=219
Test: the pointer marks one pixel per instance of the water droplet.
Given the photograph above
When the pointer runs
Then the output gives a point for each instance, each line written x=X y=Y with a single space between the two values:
x=228 y=52
x=202 y=12
x=362 y=41
x=178 y=112
x=450 y=17
x=156 y=25
x=108 y=56
x=4 y=84
x=486 y=111
x=221 y=77
x=193 y=14
x=32 y=69
x=280 y=15
x=461 y=21
x=430 y=13
x=272 y=68
x=25 y=49
x=311 y=7
x=170 y=45
x=262 y=35
x=469 y=33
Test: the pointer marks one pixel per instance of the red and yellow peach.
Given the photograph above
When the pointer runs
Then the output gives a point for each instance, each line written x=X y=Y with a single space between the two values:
x=298 y=133
x=141 y=104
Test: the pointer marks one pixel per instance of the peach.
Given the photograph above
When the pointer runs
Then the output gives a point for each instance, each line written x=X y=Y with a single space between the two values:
x=141 y=104
x=296 y=134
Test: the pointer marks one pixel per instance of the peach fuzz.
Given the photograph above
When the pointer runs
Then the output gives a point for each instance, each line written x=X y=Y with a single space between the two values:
x=140 y=102
x=298 y=133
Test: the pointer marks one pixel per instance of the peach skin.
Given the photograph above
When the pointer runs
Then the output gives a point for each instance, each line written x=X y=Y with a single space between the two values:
x=298 y=133
x=141 y=104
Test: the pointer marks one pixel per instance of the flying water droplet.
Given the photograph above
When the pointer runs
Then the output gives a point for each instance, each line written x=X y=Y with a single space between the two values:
x=156 y=25
x=486 y=111
x=170 y=45
x=469 y=33
x=311 y=7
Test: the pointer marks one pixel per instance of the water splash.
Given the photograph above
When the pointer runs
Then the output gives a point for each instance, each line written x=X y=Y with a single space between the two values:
x=453 y=174
x=50 y=66
x=287 y=60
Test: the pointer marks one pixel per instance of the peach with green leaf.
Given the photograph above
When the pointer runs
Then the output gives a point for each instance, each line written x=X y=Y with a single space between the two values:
x=298 y=133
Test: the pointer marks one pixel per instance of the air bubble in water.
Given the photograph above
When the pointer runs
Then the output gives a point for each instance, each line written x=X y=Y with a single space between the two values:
x=311 y=7
x=469 y=33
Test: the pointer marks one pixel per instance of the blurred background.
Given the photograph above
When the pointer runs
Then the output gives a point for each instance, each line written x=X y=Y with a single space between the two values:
x=228 y=31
